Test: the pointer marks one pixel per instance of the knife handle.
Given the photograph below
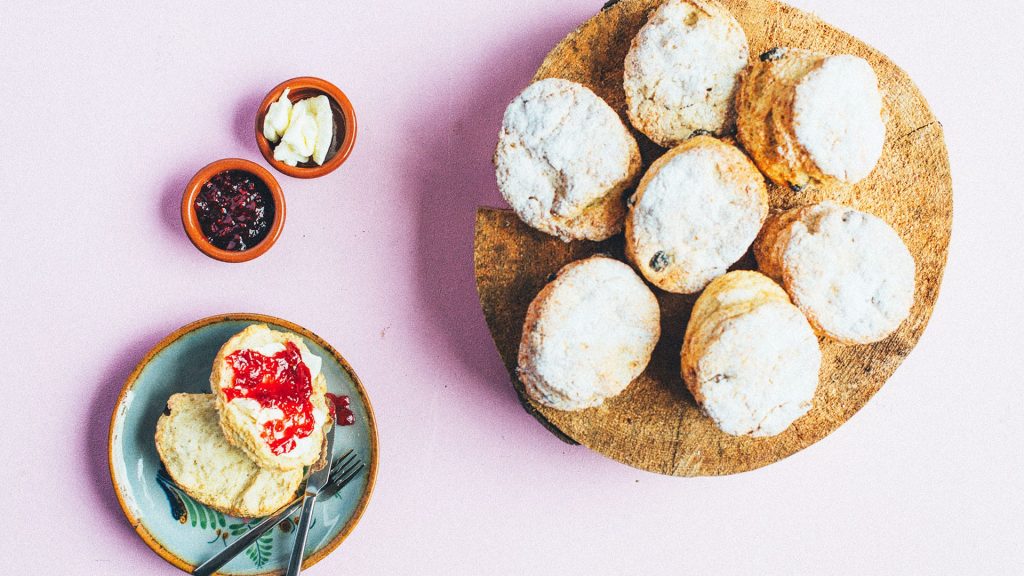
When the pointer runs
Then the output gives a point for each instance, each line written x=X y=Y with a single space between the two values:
x=224 y=556
x=295 y=562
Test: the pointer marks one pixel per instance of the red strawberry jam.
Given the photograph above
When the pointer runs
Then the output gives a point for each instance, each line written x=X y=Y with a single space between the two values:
x=235 y=210
x=280 y=381
x=340 y=410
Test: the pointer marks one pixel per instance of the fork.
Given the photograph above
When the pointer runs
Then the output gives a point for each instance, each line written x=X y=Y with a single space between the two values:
x=344 y=469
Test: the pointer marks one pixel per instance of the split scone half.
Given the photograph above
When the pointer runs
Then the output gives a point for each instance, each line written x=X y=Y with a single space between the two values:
x=588 y=334
x=271 y=397
x=811 y=118
x=565 y=160
x=848 y=271
x=211 y=470
x=749 y=357
x=682 y=69
x=695 y=213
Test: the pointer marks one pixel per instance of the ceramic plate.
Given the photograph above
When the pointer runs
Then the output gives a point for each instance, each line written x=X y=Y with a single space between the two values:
x=184 y=532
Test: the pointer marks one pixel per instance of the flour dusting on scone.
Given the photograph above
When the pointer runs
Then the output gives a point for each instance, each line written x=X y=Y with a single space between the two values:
x=211 y=470
x=564 y=161
x=695 y=213
x=849 y=271
x=271 y=397
x=682 y=69
x=749 y=357
x=588 y=334
x=811 y=118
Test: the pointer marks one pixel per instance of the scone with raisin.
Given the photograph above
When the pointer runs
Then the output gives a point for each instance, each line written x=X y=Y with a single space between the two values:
x=848 y=271
x=588 y=334
x=695 y=213
x=811 y=118
x=565 y=160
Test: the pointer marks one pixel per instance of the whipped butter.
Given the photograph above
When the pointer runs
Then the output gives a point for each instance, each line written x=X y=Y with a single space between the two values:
x=301 y=131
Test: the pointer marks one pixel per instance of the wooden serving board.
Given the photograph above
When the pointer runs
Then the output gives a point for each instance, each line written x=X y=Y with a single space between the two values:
x=655 y=424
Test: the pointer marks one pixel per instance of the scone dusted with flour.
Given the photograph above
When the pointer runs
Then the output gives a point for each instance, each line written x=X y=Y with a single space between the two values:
x=848 y=271
x=271 y=397
x=682 y=69
x=695 y=213
x=811 y=118
x=211 y=470
x=749 y=357
x=588 y=334
x=565 y=160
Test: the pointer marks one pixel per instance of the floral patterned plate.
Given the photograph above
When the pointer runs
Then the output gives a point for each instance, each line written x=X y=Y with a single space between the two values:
x=185 y=532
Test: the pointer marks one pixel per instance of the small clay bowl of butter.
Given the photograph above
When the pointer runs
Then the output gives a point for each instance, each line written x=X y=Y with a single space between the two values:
x=306 y=127
x=233 y=210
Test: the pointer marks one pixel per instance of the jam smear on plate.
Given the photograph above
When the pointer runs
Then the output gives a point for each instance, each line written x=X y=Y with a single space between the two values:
x=235 y=210
x=340 y=410
x=280 y=381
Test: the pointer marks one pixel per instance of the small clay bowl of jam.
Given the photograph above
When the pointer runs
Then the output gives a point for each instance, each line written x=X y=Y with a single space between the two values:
x=233 y=210
x=344 y=129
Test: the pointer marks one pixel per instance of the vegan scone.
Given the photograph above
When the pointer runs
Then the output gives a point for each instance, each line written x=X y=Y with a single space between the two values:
x=696 y=212
x=682 y=69
x=211 y=470
x=847 y=270
x=749 y=357
x=271 y=397
x=565 y=160
x=807 y=117
x=588 y=334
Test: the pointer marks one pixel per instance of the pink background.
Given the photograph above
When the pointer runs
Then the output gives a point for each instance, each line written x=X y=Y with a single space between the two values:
x=107 y=112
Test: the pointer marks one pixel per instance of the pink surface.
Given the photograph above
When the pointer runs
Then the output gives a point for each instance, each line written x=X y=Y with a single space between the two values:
x=108 y=112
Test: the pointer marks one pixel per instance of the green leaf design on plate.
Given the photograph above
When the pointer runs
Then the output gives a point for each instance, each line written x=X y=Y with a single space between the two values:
x=259 y=551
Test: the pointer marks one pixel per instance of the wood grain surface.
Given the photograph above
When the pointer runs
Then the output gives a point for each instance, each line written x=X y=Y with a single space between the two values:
x=655 y=424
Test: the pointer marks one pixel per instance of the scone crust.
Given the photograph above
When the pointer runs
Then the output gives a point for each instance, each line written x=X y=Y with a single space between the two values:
x=696 y=212
x=588 y=334
x=848 y=271
x=239 y=428
x=786 y=121
x=682 y=70
x=565 y=160
x=749 y=357
x=210 y=469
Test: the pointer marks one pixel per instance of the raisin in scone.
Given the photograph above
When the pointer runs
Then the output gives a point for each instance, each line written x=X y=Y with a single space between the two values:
x=588 y=334
x=271 y=397
x=848 y=271
x=208 y=468
x=565 y=160
x=695 y=213
x=811 y=118
x=749 y=357
x=682 y=69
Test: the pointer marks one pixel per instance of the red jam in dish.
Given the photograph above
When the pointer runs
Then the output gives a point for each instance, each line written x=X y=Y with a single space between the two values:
x=340 y=411
x=280 y=381
x=235 y=210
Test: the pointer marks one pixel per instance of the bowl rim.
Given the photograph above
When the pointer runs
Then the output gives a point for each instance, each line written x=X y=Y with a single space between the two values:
x=344 y=148
x=190 y=220
x=129 y=385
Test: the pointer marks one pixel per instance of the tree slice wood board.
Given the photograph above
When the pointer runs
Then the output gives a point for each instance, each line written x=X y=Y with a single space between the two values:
x=655 y=424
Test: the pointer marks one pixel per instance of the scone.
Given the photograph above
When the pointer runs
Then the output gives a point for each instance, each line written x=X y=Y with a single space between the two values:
x=682 y=69
x=811 y=118
x=588 y=334
x=208 y=468
x=565 y=160
x=749 y=357
x=848 y=271
x=695 y=213
x=271 y=397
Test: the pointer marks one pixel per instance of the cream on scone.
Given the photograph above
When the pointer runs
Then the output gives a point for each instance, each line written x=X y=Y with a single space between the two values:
x=271 y=397
x=811 y=118
x=588 y=334
x=749 y=357
x=564 y=161
x=848 y=271
x=682 y=69
x=212 y=471
x=695 y=213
